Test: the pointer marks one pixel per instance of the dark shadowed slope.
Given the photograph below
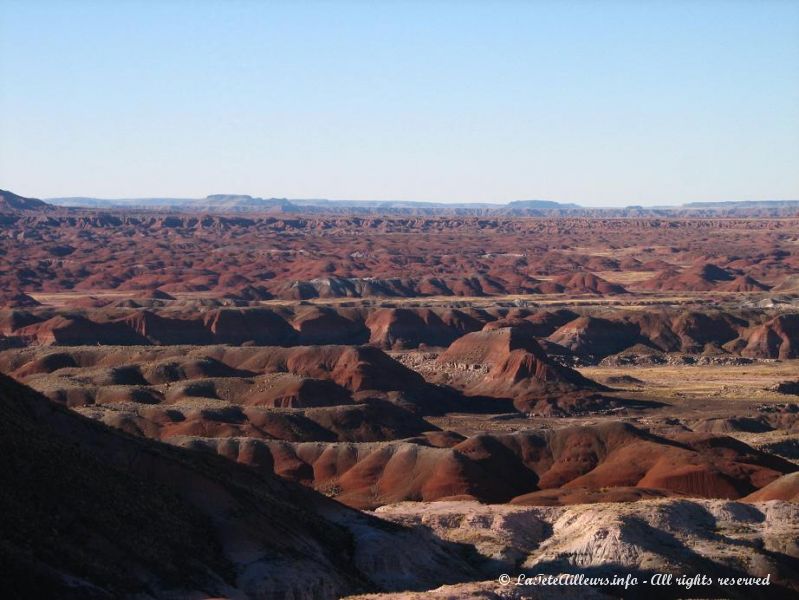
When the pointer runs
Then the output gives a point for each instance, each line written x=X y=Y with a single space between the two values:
x=88 y=512
x=10 y=202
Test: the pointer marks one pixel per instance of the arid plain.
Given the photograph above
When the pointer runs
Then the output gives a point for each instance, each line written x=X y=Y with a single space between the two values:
x=289 y=405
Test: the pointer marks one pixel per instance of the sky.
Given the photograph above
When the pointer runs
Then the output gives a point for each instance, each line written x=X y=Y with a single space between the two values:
x=602 y=103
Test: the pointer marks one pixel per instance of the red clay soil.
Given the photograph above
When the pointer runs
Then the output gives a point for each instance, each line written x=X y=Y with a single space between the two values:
x=568 y=464
x=258 y=256
x=591 y=334
x=785 y=488
x=515 y=366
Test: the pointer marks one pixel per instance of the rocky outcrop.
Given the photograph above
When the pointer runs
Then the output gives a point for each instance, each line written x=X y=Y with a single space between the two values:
x=157 y=329
x=403 y=328
x=595 y=337
x=696 y=329
x=322 y=325
x=256 y=325
x=76 y=330
x=510 y=364
x=777 y=338
x=711 y=537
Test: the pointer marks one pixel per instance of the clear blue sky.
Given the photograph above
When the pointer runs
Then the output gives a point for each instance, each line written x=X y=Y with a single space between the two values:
x=600 y=103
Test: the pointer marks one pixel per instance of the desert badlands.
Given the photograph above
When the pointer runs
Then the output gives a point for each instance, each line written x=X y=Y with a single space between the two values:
x=318 y=402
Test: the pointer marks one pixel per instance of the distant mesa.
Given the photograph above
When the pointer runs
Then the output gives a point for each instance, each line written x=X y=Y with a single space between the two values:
x=744 y=203
x=539 y=205
x=544 y=208
x=228 y=197
x=243 y=201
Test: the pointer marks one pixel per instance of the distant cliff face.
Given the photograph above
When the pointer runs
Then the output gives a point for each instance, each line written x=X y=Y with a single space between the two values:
x=518 y=208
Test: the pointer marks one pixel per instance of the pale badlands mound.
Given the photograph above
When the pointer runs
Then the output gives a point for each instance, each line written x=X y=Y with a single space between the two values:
x=611 y=462
x=89 y=512
x=712 y=537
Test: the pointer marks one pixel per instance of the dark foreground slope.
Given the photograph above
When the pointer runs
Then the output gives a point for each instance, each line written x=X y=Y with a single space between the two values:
x=88 y=512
